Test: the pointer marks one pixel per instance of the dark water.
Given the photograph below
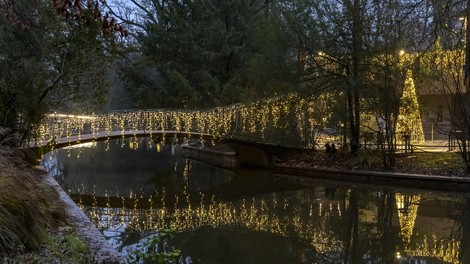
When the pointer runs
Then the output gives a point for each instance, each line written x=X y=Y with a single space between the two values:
x=134 y=188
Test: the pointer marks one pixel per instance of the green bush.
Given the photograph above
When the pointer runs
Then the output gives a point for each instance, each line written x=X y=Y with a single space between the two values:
x=155 y=249
x=59 y=248
x=365 y=159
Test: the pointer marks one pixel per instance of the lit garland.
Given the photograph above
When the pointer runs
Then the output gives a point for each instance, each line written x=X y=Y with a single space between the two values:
x=251 y=121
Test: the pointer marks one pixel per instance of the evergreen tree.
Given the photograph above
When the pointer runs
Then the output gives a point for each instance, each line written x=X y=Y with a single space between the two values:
x=409 y=118
x=48 y=63
x=204 y=53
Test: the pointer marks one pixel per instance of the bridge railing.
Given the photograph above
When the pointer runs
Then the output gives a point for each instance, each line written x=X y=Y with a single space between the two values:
x=263 y=123
x=219 y=123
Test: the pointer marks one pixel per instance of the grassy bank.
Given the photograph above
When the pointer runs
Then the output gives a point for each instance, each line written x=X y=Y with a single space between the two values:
x=33 y=228
x=32 y=222
x=430 y=163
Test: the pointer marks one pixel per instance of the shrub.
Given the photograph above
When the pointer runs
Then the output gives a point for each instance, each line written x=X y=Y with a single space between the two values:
x=365 y=159
x=11 y=151
x=155 y=249
x=59 y=248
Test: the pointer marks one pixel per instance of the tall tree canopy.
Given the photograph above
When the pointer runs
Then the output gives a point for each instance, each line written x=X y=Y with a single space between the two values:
x=48 y=62
x=206 y=53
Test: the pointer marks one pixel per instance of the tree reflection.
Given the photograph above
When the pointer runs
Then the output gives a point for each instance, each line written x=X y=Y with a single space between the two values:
x=351 y=253
x=387 y=233
x=464 y=255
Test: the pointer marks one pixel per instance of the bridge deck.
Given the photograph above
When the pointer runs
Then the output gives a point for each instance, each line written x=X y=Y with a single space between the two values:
x=84 y=138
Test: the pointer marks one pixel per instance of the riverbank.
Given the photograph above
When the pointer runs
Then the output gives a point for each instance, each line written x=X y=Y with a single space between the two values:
x=437 y=162
x=33 y=220
x=447 y=164
x=71 y=238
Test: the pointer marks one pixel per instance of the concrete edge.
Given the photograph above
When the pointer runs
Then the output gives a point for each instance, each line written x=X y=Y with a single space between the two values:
x=101 y=251
x=381 y=173
x=421 y=181
x=222 y=159
x=213 y=151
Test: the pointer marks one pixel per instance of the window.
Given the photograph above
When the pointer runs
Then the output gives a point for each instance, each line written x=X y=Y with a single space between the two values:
x=439 y=113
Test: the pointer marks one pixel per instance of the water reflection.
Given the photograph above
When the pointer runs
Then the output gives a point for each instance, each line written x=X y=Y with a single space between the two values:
x=254 y=216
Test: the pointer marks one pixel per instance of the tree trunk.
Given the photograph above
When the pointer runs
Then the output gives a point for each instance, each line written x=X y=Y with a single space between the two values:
x=356 y=75
x=467 y=49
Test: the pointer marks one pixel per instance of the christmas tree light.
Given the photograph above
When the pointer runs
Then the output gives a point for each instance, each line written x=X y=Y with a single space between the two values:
x=409 y=118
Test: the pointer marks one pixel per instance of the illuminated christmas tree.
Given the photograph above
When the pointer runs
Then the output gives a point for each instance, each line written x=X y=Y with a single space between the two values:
x=409 y=118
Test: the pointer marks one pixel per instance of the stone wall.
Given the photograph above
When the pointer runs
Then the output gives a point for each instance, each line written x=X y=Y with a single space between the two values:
x=223 y=159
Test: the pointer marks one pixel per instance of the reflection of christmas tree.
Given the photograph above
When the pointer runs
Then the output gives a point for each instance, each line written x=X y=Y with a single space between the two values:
x=409 y=118
x=407 y=206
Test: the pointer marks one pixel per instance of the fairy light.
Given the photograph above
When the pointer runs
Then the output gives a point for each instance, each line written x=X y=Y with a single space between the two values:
x=253 y=214
x=252 y=121
x=407 y=206
x=409 y=118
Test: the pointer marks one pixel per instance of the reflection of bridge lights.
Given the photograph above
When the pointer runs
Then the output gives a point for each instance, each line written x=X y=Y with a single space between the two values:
x=159 y=147
x=290 y=217
x=188 y=212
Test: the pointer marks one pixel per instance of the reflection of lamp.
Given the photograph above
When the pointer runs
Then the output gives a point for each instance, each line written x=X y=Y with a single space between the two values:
x=159 y=147
x=398 y=255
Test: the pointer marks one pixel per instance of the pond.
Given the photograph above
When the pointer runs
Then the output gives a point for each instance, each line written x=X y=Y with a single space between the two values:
x=132 y=188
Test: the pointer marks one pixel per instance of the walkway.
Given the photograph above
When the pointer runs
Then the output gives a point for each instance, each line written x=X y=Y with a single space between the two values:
x=437 y=145
x=79 y=139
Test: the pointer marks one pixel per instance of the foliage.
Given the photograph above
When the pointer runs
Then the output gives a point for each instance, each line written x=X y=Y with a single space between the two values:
x=11 y=151
x=155 y=249
x=53 y=63
x=27 y=206
x=207 y=53
x=88 y=12
x=365 y=159
x=68 y=247
x=58 y=248
x=84 y=12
